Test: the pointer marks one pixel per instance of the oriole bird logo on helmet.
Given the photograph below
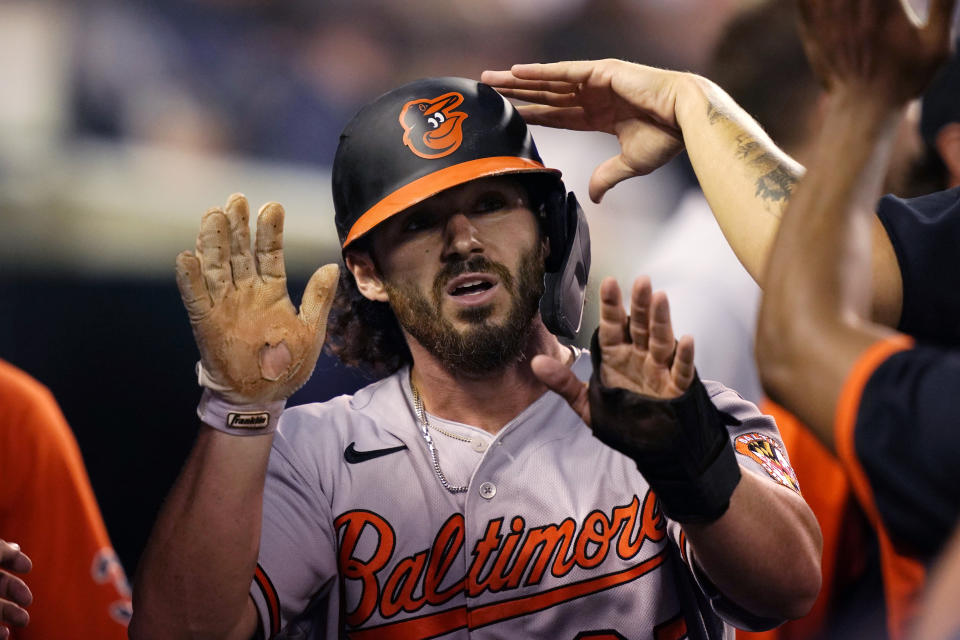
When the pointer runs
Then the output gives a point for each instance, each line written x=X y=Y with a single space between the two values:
x=431 y=128
x=375 y=178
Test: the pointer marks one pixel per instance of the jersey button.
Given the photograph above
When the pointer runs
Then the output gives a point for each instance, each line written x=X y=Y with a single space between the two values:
x=488 y=490
x=478 y=445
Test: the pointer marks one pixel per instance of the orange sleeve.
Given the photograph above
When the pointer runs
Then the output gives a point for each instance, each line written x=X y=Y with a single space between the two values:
x=48 y=507
x=903 y=576
x=825 y=489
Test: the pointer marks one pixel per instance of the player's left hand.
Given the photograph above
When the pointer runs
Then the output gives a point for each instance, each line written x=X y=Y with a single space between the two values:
x=639 y=352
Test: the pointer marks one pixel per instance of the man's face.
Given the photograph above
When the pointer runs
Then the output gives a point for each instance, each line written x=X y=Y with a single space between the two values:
x=464 y=273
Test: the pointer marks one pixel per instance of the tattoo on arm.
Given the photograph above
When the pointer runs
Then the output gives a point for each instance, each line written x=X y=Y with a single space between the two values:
x=777 y=181
x=715 y=114
x=777 y=184
x=745 y=146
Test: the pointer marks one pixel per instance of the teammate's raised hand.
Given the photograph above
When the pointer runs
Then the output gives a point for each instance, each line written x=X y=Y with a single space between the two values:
x=877 y=48
x=254 y=346
x=639 y=352
x=14 y=593
x=631 y=101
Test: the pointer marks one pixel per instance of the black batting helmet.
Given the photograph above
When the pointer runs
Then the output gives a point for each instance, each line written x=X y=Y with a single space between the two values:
x=436 y=133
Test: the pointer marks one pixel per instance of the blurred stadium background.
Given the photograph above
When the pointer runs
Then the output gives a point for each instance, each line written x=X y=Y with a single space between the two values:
x=121 y=122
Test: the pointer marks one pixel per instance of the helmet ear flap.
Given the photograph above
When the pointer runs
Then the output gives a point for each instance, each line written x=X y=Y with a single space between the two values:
x=556 y=225
x=567 y=266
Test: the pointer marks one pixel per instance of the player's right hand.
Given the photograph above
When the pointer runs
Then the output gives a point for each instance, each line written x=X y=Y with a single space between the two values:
x=631 y=101
x=254 y=346
x=14 y=593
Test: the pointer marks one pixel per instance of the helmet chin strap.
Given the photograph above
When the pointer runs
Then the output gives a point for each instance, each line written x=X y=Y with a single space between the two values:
x=561 y=306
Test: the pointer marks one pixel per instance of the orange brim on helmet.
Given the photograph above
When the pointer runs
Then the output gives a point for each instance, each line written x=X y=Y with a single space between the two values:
x=420 y=139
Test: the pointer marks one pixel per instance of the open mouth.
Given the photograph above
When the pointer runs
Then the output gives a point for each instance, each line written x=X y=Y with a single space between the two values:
x=470 y=284
x=471 y=287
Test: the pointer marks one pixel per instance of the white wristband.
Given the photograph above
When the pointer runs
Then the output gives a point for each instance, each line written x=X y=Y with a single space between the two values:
x=239 y=419
x=236 y=419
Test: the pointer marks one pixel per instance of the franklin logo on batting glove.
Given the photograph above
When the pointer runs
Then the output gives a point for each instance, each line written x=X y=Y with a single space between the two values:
x=248 y=420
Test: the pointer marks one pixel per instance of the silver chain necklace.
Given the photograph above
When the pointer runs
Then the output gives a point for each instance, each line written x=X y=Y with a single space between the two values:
x=425 y=432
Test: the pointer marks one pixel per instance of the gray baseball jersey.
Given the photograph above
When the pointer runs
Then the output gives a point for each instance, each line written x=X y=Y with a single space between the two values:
x=557 y=536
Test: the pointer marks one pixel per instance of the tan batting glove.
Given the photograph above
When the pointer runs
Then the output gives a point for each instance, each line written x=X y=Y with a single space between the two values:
x=255 y=349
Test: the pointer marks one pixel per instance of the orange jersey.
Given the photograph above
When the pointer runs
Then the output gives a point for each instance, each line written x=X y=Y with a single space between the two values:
x=827 y=491
x=837 y=491
x=903 y=575
x=47 y=506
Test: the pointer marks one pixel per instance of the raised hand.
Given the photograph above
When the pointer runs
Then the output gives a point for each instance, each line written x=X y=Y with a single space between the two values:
x=631 y=101
x=254 y=346
x=638 y=351
x=877 y=47
x=14 y=593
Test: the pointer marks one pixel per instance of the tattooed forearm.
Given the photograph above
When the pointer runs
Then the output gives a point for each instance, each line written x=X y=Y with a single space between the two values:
x=715 y=113
x=777 y=184
x=777 y=181
x=745 y=146
x=772 y=174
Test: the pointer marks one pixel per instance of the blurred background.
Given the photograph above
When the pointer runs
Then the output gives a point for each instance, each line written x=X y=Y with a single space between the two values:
x=121 y=122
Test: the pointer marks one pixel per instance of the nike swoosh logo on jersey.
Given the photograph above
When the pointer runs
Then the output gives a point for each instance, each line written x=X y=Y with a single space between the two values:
x=352 y=456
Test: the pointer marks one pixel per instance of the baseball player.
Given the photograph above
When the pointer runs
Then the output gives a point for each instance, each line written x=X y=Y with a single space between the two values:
x=495 y=483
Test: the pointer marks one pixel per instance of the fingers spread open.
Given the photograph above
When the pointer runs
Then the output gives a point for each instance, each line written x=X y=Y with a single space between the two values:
x=662 y=342
x=241 y=259
x=682 y=370
x=13 y=559
x=270 y=242
x=193 y=289
x=213 y=250
x=561 y=380
x=640 y=313
x=318 y=296
x=14 y=590
x=613 y=318
x=13 y=614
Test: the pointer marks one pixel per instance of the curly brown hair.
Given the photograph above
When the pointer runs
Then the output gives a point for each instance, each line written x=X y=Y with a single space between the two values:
x=364 y=333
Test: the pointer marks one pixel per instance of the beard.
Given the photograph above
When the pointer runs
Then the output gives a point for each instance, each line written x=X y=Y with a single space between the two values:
x=484 y=347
